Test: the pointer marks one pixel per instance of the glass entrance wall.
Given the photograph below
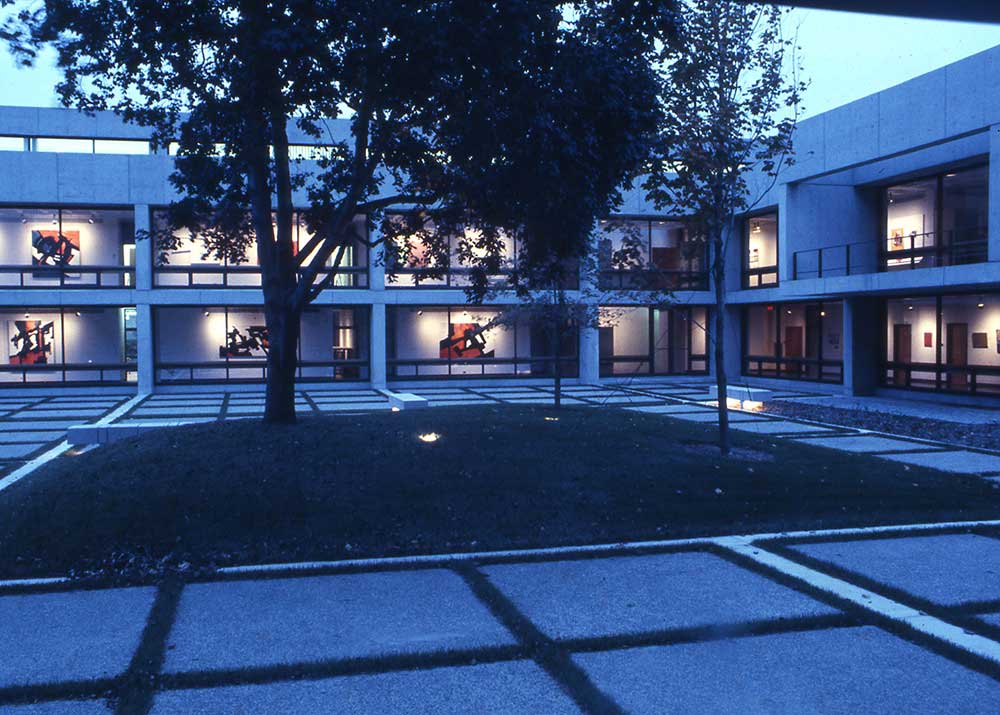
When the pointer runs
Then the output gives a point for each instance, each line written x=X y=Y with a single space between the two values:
x=760 y=250
x=437 y=342
x=936 y=221
x=66 y=248
x=642 y=340
x=81 y=346
x=216 y=344
x=188 y=266
x=643 y=254
x=798 y=341
x=945 y=343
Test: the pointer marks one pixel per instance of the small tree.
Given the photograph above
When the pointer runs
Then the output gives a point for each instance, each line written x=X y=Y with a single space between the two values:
x=731 y=108
x=437 y=97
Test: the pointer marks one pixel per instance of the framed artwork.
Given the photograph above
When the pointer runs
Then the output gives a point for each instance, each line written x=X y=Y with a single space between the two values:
x=55 y=249
x=251 y=342
x=979 y=340
x=465 y=340
x=30 y=341
x=928 y=340
x=896 y=239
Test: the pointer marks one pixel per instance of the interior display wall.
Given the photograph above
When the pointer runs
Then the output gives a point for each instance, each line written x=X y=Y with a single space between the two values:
x=762 y=243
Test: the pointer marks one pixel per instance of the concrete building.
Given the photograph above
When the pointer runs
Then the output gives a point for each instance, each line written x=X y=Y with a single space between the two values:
x=872 y=264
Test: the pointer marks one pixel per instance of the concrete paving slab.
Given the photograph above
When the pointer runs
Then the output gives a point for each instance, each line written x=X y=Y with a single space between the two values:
x=181 y=410
x=56 y=405
x=354 y=406
x=621 y=399
x=670 y=409
x=542 y=401
x=948 y=569
x=992 y=619
x=348 y=398
x=65 y=707
x=779 y=427
x=864 y=443
x=246 y=409
x=39 y=424
x=81 y=635
x=459 y=403
x=636 y=594
x=7 y=437
x=33 y=413
x=511 y=688
x=843 y=670
x=18 y=451
x=536 y=394
x=712 y=415
x=258 y=623
x=960 y=461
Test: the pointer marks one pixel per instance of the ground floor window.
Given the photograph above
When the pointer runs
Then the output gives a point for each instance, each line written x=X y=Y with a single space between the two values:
x=642 y=340
x=476 y=341
x=85 y=346
x=800 y=341
x=949 y=343
x=208 y=344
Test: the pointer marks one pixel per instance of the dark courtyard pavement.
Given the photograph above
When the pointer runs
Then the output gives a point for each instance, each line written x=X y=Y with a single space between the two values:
x=903 y=620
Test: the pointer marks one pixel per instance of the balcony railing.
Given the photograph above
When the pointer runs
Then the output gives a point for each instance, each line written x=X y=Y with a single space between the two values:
x=924 y=250
x=212 y=372
x=845 y=259
x=441 y=368
x=652 y=279
x=453 y=277
x=49 y=277
x=76 y=373
x=805 y=369
x=947 y=378
x=169 y=276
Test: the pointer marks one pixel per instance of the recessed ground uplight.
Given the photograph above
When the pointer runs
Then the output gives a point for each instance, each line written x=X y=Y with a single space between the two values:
x=395 y=409
x=551 y=419
x=429 y=437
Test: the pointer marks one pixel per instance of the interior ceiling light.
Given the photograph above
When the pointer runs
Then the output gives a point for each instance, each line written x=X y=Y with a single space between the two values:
x=756 y=227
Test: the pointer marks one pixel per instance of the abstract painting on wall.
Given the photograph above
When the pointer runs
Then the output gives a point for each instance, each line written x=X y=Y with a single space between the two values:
x=979 y=340
x=465 y=340
x=250 y=344
x=30 y=341
x=55 y=249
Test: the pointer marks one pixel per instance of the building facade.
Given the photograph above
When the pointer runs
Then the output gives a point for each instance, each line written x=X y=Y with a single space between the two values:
x=872 y=264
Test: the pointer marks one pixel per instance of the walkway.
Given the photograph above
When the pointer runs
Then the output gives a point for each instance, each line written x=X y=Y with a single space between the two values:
x=901 y=620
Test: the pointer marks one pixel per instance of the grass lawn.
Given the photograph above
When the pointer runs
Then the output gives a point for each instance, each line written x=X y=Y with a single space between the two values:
x=498 y=477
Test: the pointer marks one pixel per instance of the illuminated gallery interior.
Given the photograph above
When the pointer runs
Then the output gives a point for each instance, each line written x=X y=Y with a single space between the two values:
x=642 y=340
x=760 y=255
x=801 y=341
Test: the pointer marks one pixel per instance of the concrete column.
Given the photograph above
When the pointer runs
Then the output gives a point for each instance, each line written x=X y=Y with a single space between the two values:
x=590 y=358
x=994 y=198
x=377 y=347
x=785 y=244
x=376 y=264
x=861 y=345
x=144 y=335
x=143 y=250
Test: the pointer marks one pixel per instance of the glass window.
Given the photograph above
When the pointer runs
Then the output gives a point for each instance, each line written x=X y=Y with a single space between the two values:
x=121 y=146
x=800 y=341
x=624 y=340
x=970 y=353
x=11 y=143
x=911 y=342
x=65 y=146
x=964 y=214
x=761 y=253
x=678 y=340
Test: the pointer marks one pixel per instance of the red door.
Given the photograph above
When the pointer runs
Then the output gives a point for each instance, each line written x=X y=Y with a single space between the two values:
x=957 y=355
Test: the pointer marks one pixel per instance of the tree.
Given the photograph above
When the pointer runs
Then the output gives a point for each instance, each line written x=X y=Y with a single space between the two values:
x=731 y=102
x=434 y=95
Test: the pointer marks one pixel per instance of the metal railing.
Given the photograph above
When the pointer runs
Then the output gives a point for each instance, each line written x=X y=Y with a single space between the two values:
x=75 y=373
x=442 y=368
x=805 y=369
x=924 y=250
x=652 y=279
x=201 y=276
x=944 y=378
x=66 y=276
x=845 y=259
x=255 y=370
x=607 y=363
x=452 y=277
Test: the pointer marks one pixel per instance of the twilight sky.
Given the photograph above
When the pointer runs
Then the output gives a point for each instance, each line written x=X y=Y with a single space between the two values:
x=846 y=56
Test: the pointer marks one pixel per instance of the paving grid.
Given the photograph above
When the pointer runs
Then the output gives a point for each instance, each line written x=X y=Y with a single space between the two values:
x=569 y=674
x=30 y=426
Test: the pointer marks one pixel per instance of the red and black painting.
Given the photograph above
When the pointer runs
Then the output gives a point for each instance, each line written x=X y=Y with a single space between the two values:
x=52 y=248
x=31 y=343
x=465 y=340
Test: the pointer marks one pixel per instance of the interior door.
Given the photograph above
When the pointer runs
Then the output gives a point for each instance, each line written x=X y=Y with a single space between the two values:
x=957 y=354
x=792 y=348
x=902 y=348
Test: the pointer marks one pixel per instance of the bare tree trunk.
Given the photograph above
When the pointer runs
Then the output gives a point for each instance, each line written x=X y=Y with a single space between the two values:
x=721 y=383
x=282 y=361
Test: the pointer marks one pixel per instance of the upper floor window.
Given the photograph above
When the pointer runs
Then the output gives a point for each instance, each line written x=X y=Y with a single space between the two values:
x=66 y=247
x=937 y=221
x=760 y=250
x=657 y=254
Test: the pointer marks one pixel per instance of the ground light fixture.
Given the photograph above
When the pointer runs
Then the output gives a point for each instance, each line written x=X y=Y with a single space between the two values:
x=429 y=437
x=550 y=419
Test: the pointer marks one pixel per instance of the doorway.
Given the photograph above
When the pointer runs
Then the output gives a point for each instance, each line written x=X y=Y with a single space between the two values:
x=793 y=349
x=957 y=355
